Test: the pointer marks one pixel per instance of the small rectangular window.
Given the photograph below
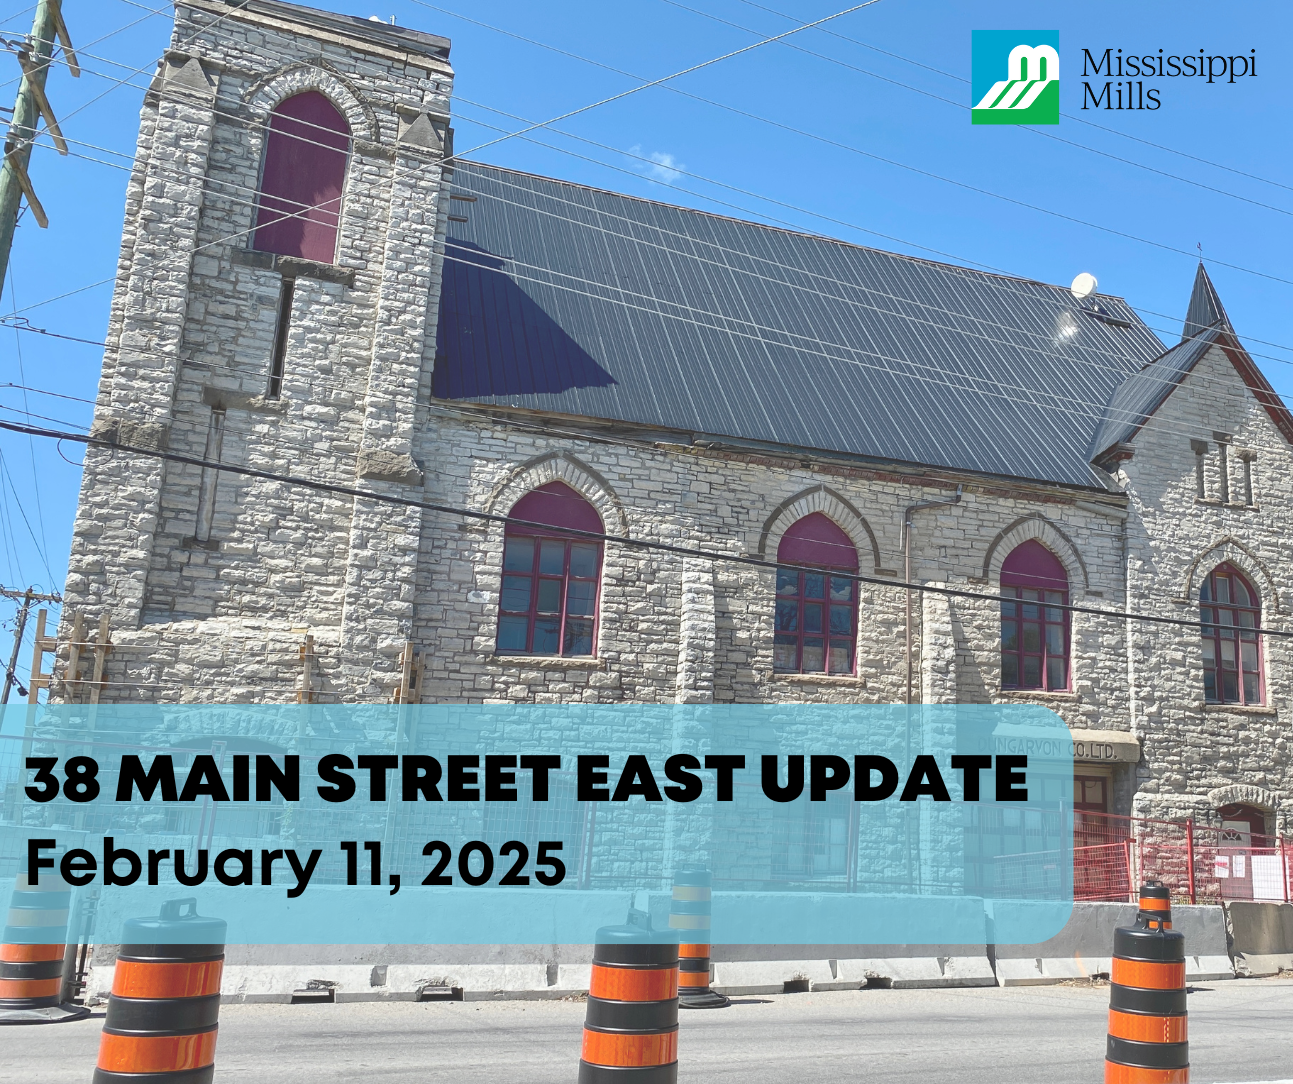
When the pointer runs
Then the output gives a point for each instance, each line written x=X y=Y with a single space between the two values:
x=1200 y=449
x=1223 y=466
x=1248 y=478
x=284 y=325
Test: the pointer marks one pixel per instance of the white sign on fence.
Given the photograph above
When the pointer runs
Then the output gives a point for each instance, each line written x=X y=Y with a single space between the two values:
x=1268 y=877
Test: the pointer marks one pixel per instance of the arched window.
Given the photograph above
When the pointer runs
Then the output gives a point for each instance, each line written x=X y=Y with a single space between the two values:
x=548 y=604
x=1034 y=636
x=816 y=623
x=1232 y=654
x=300 y=186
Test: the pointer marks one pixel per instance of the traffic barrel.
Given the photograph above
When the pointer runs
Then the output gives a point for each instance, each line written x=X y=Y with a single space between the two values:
x=1147 y=1041
x=31 y=955
x=165 y=1002
x=689 y=914
x=631 y=1027
x=1156 y=902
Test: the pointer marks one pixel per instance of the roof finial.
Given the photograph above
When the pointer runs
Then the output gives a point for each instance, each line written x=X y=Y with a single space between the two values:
x=1199 y=246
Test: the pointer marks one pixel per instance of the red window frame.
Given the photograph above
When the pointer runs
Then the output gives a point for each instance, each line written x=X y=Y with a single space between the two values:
x=1233 y=667
x=809 y=619
x=560 y=588
x=549 y=592
x=1036 y=637
x=815 y=619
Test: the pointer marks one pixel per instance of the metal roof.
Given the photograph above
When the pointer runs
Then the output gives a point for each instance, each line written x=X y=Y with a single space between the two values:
x=577 y=301
x=1205 y=307
x=1135 y=401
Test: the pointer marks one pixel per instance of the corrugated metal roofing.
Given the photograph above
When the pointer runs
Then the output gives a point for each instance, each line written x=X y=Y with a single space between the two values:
x=1205 y=307
x=563 y=298
x=1138 y=398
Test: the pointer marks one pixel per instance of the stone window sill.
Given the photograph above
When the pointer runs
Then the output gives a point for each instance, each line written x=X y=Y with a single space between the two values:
x=1241 y=709
x=822 y=679
x=551 y=662
x=1038 y=694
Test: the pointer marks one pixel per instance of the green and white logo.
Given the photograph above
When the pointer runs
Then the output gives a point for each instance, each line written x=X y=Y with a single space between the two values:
x=1030 y=91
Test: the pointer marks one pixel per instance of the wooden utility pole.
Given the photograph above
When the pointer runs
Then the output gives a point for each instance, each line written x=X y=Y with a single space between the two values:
x=29 y=108
x=27 y=597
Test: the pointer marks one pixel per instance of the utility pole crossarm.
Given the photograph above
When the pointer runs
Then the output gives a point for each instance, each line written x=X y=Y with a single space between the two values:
x=29 y=107
x=37 y=91
x=64 y=38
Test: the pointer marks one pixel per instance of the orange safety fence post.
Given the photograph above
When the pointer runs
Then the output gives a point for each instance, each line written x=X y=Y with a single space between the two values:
x=165 y=1002
x=31 y=955
x=1148 y=1041
x=631 y=1026
x=689 y=914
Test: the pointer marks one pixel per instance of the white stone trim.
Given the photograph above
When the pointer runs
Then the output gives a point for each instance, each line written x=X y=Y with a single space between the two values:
x=834 y=507
x=560 y=467
x=1240 y=794
x=266 y=93
x=1230 y=550
x=1039 y=529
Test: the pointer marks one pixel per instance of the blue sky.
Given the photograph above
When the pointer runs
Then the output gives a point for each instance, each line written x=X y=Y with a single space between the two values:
x=810 y=152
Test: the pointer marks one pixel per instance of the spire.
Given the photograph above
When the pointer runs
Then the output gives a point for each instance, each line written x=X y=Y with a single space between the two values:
x=1205 y=306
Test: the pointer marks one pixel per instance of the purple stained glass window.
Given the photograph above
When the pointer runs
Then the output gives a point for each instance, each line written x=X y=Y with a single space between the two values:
x=1034 y=628
x=302 y=180
x=1232 y=651
x=548 y=599
x=815 y=624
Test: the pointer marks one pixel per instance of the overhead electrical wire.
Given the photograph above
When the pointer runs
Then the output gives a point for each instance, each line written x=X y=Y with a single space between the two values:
x=702 y=196
x=605 y=537
x=853 y=149
x=966 y=379
x=1120 y=370
x=1034 y=130
x=658 y=299
x=1070 y=116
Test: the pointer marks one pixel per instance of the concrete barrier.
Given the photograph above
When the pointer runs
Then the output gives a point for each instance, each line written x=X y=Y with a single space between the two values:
x=1261 y=936
x=767 y=969
x=1262 y=933
x=1084 y=948
x=276 y=974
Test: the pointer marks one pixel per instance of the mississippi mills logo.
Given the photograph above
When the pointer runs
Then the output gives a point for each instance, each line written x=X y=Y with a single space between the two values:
x=1029 y=93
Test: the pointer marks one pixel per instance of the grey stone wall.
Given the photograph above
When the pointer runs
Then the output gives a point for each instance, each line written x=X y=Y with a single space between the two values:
x=225 y=615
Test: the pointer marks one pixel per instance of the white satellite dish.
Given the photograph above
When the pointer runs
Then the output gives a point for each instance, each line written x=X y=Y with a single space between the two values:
x=1083 y=286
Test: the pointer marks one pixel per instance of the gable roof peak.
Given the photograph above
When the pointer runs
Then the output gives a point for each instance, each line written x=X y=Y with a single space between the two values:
x=1205 y=306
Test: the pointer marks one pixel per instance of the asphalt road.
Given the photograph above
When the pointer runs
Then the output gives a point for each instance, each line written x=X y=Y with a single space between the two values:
x=1240 y=1032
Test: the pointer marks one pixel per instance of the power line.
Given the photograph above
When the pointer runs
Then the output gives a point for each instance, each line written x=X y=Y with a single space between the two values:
x=601 y=536
x=964 y=107
x=852 y=149
x=903 y=165
x=899 y=240
x=1121 y=370
x=1070 y=116
x=667 y=78
x=4 y=467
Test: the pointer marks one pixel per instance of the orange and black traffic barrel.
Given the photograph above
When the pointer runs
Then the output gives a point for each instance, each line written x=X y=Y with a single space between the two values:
x=689 y=914
x=631 y=1028
x=31 y=954
x=162 y=1015
x=1148 y=1041
x=1156 y=902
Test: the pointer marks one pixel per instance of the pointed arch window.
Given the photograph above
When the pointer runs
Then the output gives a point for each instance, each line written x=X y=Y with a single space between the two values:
x=548 y=601
x=1231 y=612
x=815 y=627
x=306 y=152
x=1035 y=635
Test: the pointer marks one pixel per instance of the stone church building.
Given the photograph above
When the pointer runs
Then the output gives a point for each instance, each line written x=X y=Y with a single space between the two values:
x=310 y=286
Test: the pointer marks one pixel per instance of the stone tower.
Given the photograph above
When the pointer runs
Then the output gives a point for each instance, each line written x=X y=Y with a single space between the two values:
x=275 y=309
